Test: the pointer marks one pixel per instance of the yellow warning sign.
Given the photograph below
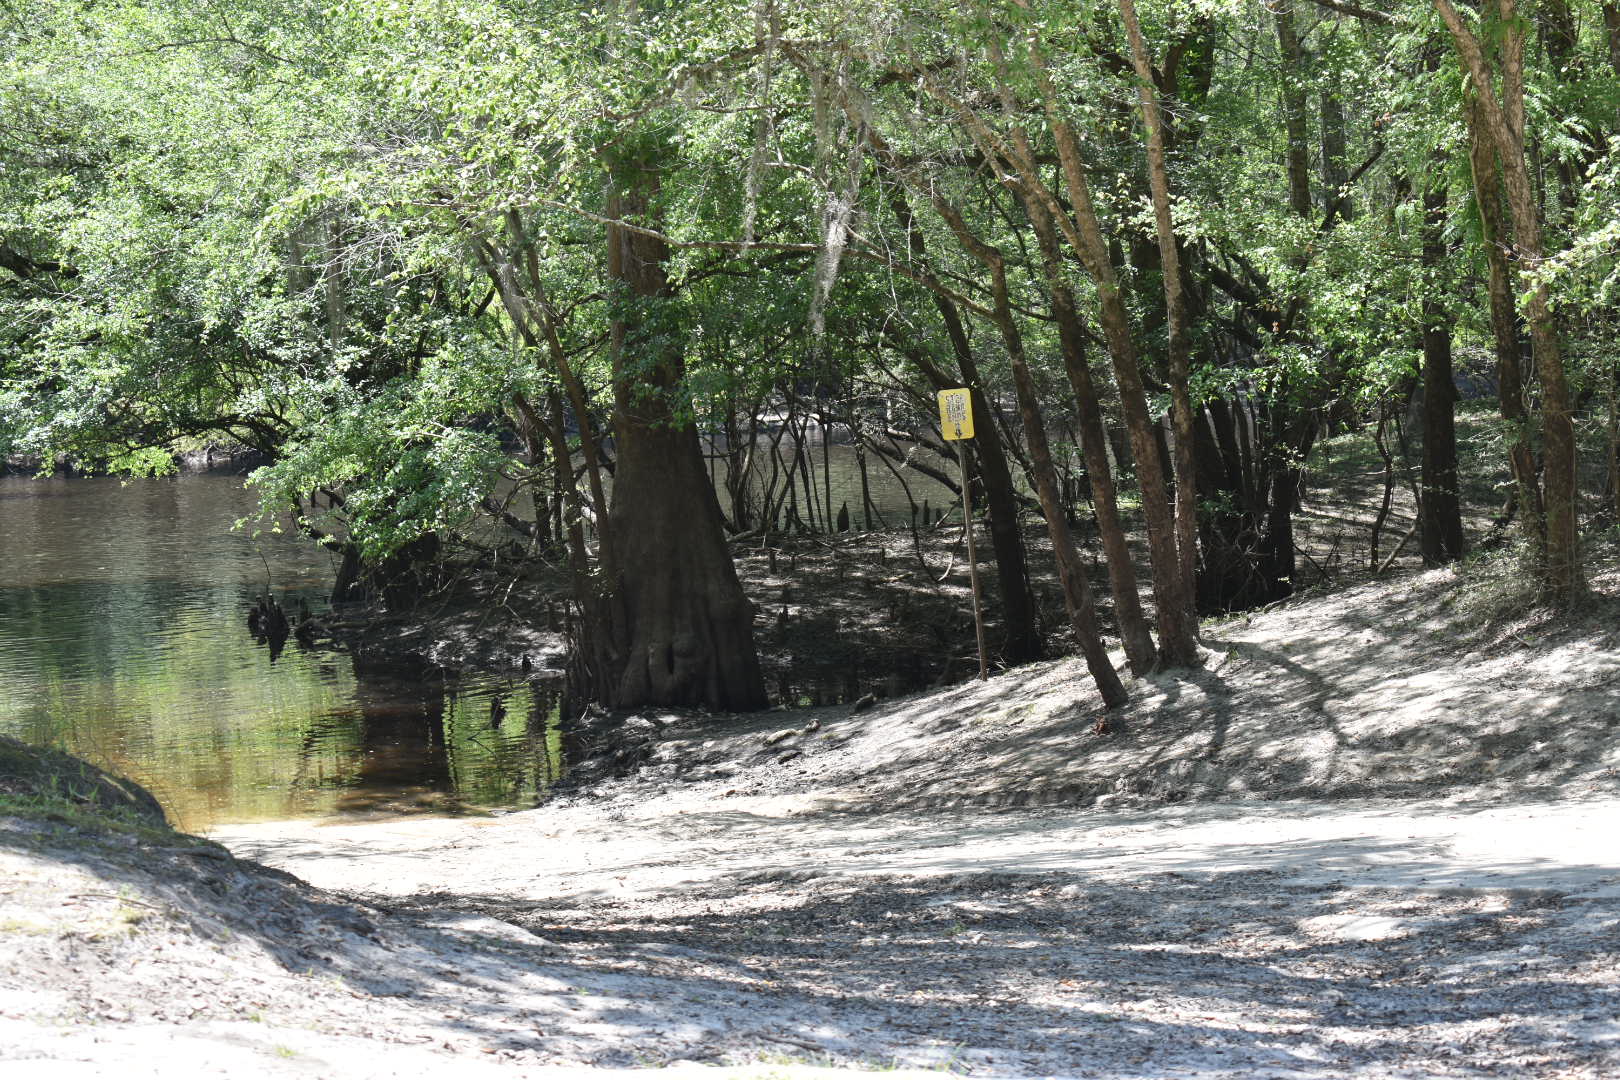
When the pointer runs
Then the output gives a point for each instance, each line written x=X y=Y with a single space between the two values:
x=956 y=413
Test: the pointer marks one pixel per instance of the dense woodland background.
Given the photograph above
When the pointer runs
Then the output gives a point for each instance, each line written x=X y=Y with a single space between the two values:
x=471 y=271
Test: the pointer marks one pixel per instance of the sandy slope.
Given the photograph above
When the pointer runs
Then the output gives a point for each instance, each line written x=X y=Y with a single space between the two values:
x=1367 y=839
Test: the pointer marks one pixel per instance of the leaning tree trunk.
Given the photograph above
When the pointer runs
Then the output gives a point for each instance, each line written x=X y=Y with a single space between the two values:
x=1505 y=338
x=668 y=622
x=1248 y=448
x=1611 y=33
x=1175 y=614
x=1176 y=316
x=1140 y=652
x=1077 y=595
x=1499 y=123
x=1022 y=640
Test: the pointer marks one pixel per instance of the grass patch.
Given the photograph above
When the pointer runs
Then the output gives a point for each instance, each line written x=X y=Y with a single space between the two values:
x=94 y=820
x=1494 y=588
x=53 y=788
x=1498 y=593
x=39 y=779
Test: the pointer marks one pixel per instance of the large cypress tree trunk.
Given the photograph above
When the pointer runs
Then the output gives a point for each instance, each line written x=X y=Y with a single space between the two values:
x=668 y=622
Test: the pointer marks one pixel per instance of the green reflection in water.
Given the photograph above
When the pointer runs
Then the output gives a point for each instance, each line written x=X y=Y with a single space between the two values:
x=505 y=749
x=123 y=640
x=190 y=709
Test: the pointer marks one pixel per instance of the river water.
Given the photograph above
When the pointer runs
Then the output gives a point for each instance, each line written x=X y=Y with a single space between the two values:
x=123 y=639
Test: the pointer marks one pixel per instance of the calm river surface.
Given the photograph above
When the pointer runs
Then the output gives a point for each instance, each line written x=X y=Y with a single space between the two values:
x=123 y=639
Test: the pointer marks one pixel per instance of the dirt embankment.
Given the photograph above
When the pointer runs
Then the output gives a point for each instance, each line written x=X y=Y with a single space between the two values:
x=1371 y=837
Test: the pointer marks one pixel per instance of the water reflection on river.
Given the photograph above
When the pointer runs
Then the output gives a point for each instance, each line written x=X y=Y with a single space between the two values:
x=122 y=639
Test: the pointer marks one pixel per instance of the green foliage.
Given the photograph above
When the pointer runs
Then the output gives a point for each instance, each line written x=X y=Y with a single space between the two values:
x=280 y=221
x=414 y=455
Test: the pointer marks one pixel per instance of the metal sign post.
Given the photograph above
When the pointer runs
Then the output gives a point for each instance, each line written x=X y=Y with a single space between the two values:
x=956 y=423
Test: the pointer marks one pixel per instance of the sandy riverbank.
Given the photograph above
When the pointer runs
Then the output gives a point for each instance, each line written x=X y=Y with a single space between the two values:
x=1368 y=839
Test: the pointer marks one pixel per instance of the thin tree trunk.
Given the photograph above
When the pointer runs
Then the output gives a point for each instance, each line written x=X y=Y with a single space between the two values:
x=806 y=471
x=1612 y=472
x=562 y=480
x=1440 y=532
x=534 y=454
x=826 y=468
x=1023 y=642
x=1179 y=331
x=1503 y=122
x=1611 y=31
x=1298 y=155
x=1558 y=37
x=534 y=323
x=1140 y=654
x=1389 y=486
x=1176 y=619
x=1505 y=335
x=1335 y=151
x=858 y=440
x=1071 y=571
x=541 y=312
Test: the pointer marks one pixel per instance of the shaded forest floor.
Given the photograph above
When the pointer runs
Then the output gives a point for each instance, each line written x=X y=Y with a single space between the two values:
x=843 y=615
x=1372 y=836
